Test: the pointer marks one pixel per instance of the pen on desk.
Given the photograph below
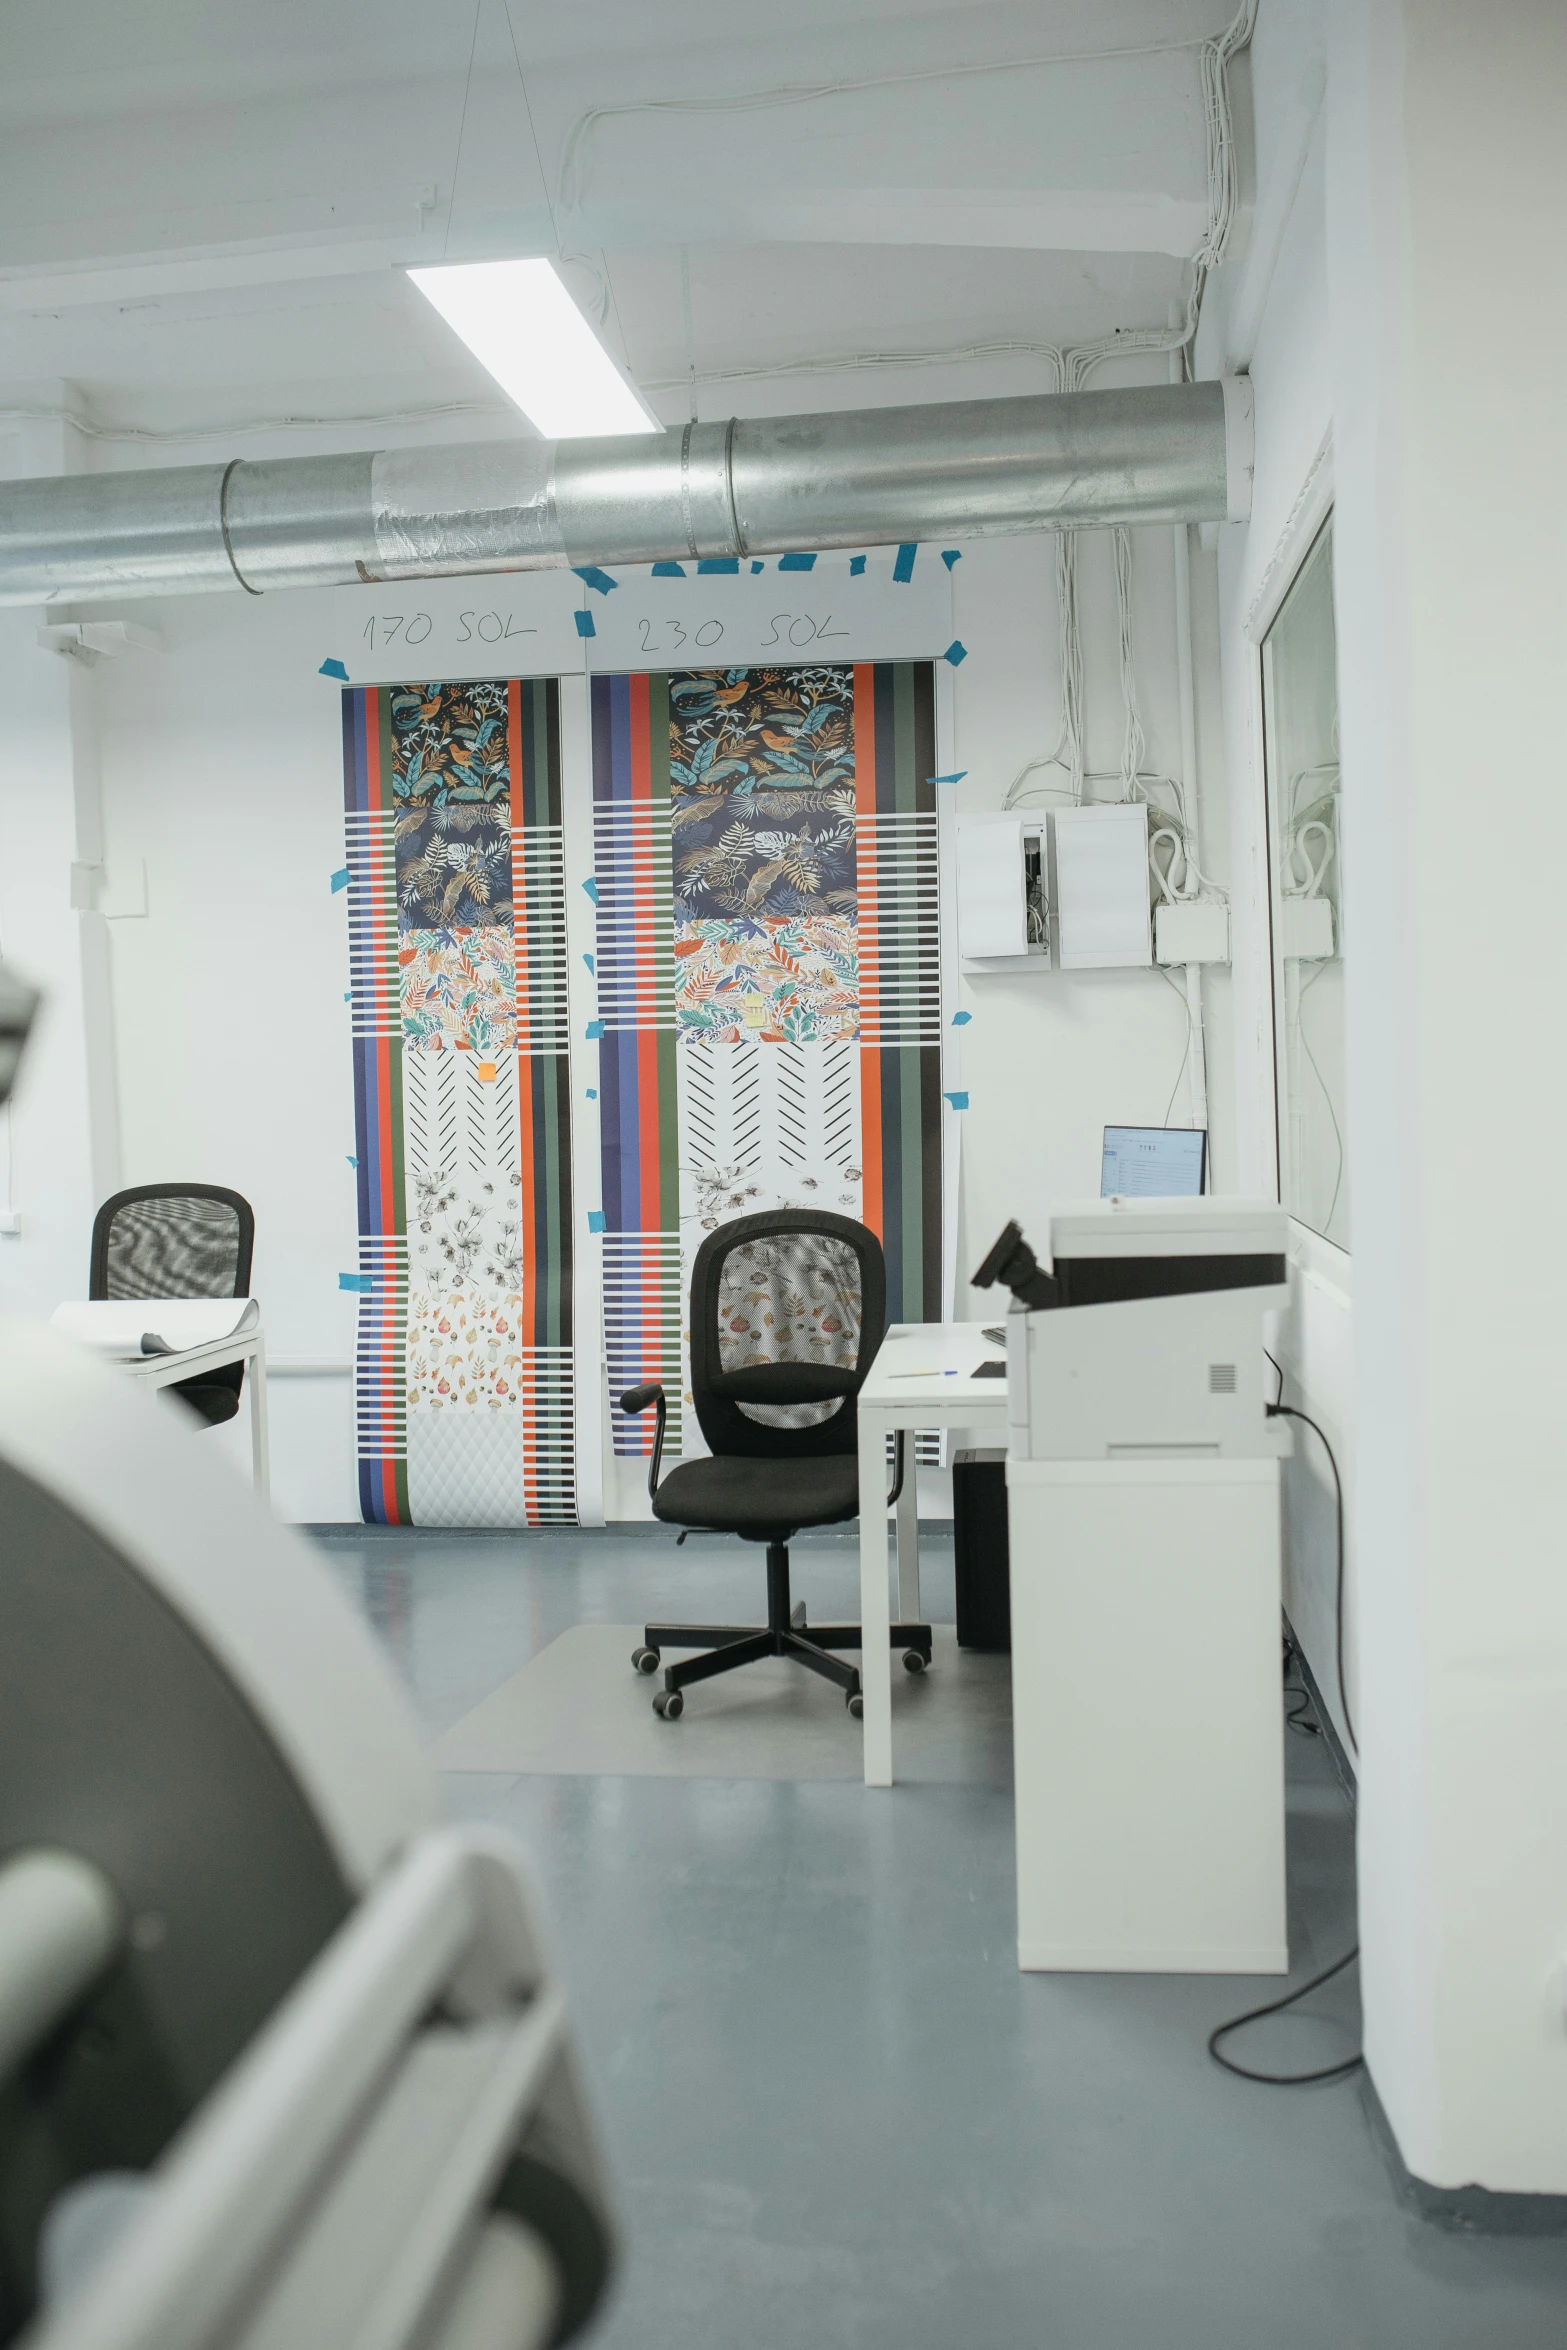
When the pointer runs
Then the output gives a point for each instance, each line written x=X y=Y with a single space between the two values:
x=922 y=1374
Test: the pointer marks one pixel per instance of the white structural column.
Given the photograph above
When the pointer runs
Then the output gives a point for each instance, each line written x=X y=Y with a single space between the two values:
x=64 y=1123
x=1447 y=188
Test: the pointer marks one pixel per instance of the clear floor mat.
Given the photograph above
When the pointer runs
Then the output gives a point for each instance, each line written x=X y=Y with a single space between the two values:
x=579 y=1708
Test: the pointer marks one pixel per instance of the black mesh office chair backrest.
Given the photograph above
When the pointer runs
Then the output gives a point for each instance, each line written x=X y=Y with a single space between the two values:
x=178 y=1240
x=172 y=1240
x=787 y=1311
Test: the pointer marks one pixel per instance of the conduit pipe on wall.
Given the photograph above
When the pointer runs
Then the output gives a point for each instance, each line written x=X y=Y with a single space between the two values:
x=1161 y=453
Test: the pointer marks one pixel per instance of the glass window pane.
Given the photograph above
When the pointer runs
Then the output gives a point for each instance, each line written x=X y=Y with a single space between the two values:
x=1300 y=725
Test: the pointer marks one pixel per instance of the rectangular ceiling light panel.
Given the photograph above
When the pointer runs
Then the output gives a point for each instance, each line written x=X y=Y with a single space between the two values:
x=518 y=320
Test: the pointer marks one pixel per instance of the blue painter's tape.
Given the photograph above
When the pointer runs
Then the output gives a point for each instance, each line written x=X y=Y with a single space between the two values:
x=719 y=563
x=348 y=995
x=592 y=966
x=593 y=1093
x=339 y=879
x=592 y=888
x=584 y=621
x=595 y=578
x=856 y=566
x=595 y=1029
x=797 y=562
x=757 y=566
x=903 y=569
x=961 y=1019
x=951 y=555
x=957 y=775
x=595 y=1219
x=333 y=669
x=959 y=1101
x=360 y=1281
x=957 y=651
x=349 y=1156
x=669 y=571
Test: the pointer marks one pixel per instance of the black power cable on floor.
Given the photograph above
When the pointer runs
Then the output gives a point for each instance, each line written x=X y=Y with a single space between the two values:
x=1330 y=2072
x=1327 y=2072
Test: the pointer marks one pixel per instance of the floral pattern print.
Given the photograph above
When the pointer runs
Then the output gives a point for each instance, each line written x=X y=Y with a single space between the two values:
x=464 y=1349
x=795 y=1299
x=451 y=780
x=459 y=991
x=761 y=773
x=789 y=979
x=762 y=809
x=722 y=1193
x=466 y=1235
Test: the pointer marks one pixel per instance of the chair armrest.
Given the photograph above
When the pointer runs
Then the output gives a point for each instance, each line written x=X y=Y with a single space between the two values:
x=637 y=1399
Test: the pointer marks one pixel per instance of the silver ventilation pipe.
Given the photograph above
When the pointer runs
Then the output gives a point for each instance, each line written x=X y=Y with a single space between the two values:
x=758 y=486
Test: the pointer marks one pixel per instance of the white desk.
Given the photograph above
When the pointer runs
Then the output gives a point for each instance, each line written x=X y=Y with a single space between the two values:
x=945 y=1394
x=246 y=1346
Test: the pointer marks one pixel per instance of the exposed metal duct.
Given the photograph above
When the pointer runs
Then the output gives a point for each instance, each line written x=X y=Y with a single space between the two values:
x=758 y=486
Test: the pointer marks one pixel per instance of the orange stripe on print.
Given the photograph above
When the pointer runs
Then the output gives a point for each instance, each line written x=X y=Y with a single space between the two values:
x=872 y=1201
x=639 y=731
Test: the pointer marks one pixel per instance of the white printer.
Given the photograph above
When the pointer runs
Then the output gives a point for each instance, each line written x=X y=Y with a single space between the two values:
x=1156 y=1351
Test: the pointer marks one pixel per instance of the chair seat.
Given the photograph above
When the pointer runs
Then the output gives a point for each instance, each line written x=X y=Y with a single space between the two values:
x=743 y=1496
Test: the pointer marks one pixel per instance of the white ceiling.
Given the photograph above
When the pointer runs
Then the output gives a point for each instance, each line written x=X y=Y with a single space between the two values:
x=205 y=209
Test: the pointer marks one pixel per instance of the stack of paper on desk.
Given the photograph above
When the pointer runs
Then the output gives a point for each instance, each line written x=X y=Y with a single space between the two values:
x=170 y=1325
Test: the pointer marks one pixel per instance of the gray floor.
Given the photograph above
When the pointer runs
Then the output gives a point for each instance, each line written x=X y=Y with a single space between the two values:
x=836 y=2113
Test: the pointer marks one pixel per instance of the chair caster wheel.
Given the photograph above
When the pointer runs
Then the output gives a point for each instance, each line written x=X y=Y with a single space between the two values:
x=856 y=1704
x=645 y=1659
x=669 y=1704
x=913 y=1661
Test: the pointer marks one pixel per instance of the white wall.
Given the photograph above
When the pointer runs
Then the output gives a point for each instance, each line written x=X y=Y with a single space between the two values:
x=1447 y=194
x=222 y=767
x=1049 y=1059
x=59 y=1139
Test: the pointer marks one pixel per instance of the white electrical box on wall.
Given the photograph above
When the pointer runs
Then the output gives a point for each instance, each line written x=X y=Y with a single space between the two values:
x=1003 y=915
x=1307 y=925
x=1102 y=886
x=1193 y=931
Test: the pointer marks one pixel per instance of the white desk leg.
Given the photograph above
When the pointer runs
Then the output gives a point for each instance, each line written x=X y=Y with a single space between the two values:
x=875 y=1615
x=260 y=1462
x=909 y=1533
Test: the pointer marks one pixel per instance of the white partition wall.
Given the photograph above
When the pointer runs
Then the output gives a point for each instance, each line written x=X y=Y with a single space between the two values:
x=1445 y=173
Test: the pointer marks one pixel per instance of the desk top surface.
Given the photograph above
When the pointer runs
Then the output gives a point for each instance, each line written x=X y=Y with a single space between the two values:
x=933 y=1363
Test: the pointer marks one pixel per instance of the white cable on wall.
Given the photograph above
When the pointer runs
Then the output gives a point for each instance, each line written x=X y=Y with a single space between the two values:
x=572 y=176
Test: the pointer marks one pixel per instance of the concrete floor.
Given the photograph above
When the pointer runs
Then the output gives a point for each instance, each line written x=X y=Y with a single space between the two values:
x=835 y=2112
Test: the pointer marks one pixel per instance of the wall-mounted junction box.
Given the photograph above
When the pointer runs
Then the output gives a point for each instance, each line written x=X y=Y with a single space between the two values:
x=1003 y=908
x=1192 y=932
x=1307 y=927
x=1102 y=886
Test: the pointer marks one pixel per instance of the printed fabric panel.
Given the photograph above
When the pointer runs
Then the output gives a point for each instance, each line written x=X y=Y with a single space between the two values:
x=769 y=990
x=464 y=1394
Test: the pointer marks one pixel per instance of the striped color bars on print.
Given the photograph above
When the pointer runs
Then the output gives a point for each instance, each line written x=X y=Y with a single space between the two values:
x=464 y=1386
x=637 y=1099
x=768 y=978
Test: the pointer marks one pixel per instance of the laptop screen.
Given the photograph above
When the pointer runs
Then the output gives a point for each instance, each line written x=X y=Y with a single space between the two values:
x=1153 y=1162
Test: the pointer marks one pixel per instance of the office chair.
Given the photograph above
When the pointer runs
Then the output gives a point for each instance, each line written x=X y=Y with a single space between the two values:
x=787 y=1312
x=178 y=1240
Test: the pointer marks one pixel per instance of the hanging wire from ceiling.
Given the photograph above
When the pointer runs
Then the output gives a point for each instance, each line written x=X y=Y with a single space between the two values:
x=462 y=125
